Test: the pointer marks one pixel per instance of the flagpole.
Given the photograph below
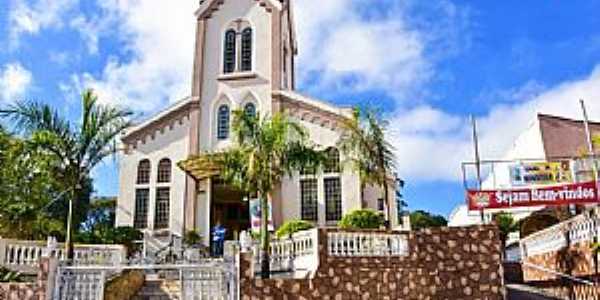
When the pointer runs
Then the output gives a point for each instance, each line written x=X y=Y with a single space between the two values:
x=477 y=160
x=590 y=144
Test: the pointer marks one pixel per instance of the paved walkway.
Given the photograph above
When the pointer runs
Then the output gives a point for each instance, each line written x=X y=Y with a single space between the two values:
x=522 y=292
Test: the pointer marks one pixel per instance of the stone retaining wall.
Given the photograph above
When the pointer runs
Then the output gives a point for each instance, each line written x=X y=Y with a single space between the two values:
x=576 y=260
x=446 y=263
x=28 y=290
x=566 y=291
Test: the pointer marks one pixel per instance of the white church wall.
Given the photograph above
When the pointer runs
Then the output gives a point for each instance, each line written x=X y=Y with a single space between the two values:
x=324 y=138
x=218 y=88
x=172 y=144
x=373 y=193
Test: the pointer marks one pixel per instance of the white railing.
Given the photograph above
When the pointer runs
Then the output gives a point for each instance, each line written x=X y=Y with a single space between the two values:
x=367 y=244
x=209 y=279
x=298 y=254
x=24 y=255
x=579 y=229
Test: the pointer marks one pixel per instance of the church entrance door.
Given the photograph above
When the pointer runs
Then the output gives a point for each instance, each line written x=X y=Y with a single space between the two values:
x=230 y=208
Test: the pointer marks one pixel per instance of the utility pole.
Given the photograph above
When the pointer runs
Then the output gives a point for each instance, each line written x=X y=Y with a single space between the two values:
x=477 y=160
x=590 y=144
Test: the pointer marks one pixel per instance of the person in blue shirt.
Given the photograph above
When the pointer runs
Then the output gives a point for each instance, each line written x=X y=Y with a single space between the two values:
x=218 y=238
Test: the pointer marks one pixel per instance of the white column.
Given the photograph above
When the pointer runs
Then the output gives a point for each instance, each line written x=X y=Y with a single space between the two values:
x=203 y=214
x=321 y=205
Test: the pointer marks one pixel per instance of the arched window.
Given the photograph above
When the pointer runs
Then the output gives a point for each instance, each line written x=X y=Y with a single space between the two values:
x=143 y=172
x=223 y=122
x=164 y=171
x=229 y=52
x=332 y=165
x=246 y=64
x=250 y=109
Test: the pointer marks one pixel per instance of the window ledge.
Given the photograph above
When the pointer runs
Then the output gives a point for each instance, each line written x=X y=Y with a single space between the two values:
x=237 y=76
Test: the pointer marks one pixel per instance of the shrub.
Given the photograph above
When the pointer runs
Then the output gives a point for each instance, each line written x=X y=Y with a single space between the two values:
x=192 y=238
x=124 y=286
x=7 y=275
x=255 y=235
x=124 y=235
x=291 y=227
x=361 y=219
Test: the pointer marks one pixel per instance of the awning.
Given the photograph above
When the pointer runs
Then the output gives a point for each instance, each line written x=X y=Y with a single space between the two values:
x=201 y=166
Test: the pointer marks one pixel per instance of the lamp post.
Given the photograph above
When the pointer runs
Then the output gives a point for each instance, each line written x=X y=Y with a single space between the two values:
x=68 y=237
x=69 y=251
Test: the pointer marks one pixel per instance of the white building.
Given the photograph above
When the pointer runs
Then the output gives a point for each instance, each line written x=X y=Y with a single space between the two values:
x=244 y=59
x=547 y=139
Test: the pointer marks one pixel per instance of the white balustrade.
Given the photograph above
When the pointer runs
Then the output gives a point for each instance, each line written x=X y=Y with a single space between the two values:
x=25 y=255
x=366 y=244
x=580 y=229
x=298 y=254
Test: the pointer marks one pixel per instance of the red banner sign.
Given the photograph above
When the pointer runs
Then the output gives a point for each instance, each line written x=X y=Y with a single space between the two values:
x=578 y=193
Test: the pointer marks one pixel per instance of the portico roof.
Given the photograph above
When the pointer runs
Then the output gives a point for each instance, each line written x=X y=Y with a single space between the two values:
x=201 y=166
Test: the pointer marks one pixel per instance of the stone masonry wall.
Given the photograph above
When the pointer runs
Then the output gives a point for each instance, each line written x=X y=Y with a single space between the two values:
x=446 y=263
x=576 y=260
x=28 y=290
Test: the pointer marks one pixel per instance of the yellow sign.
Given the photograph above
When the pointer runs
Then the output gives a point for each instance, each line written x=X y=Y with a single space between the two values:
x=541 y=173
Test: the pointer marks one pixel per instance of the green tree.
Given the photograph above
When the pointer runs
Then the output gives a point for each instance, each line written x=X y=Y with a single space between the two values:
x=78 y=146
x=99 y=223
x=421 y=219
x=27 y=187
x=266 y=150
x=506 y=224
x=367 y=151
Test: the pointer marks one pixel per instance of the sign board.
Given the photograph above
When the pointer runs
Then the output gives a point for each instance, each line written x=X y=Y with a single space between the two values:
x=255 y=214
x=576 y=193
x=541 y=173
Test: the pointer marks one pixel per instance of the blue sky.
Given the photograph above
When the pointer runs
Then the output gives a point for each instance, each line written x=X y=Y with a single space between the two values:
x=427 y=64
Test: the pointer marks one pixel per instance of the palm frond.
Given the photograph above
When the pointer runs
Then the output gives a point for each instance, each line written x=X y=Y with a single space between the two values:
x=29 y=116
x=365 y=147
x=100 y=127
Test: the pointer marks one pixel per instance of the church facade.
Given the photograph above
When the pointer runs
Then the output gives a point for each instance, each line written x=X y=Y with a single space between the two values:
x=244 y=59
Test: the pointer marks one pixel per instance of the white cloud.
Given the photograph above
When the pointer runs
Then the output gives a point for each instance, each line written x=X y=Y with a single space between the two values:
x=348 y=49
x=160 y=53
x=89 y=31
x=27 y=18
x=14 y=81
x=354 y=47
x=431 y=144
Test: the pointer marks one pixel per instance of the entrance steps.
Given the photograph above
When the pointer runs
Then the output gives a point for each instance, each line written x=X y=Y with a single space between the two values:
x=159 y=246
x=156 y=288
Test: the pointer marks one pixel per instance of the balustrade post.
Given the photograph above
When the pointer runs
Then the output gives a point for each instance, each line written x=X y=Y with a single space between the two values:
x=3 y=260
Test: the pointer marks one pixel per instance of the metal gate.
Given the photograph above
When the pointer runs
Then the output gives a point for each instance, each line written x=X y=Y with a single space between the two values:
x=210 y=279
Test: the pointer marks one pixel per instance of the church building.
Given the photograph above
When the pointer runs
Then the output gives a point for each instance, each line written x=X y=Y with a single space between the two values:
x=244 y=60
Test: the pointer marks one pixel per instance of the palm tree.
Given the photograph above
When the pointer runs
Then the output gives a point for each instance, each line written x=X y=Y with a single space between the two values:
x=506 y=224
x=265 y=151
x=80 y=146
x=365 y=148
